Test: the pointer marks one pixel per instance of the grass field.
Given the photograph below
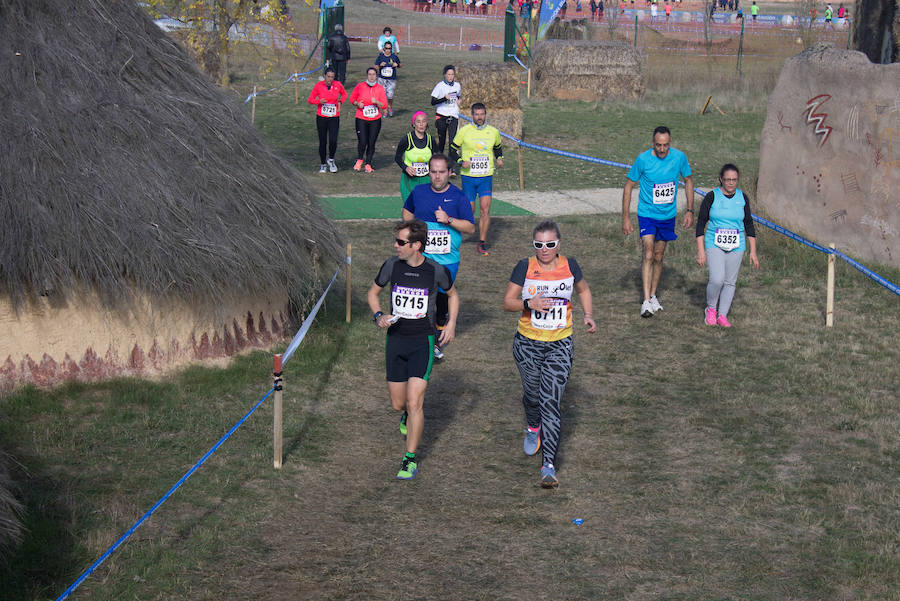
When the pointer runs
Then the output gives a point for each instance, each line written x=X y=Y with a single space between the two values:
x=755 y=463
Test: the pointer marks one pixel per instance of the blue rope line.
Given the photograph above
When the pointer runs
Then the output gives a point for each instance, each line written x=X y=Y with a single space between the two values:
x=518 y=61
x=144 y=517
x=291 y=348
x=781 y=230
x=295 y=76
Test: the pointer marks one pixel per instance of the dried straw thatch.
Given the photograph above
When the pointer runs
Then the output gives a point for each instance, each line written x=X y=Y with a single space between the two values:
x=509 y=121
x=585 y=70
x=124 y=169
x=494 y=84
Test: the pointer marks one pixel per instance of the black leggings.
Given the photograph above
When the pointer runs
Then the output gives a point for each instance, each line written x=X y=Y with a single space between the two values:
x=328 y=132
x=445 y=125
x=367 y=134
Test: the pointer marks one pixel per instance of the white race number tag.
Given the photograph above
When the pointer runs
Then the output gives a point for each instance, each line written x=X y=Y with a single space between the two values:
x=438 y=242
x=420 y=169
x=554 y=318
x=479 y=165
x=727 y=238
x=664 y=194
x=409 y=302
x=329 y=110
x=387 y=72
x=370 y=111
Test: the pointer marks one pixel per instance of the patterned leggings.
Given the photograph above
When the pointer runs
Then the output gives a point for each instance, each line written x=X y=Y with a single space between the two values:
x=544 y=367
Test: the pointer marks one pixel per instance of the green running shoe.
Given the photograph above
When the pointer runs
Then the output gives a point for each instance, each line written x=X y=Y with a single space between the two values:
x=408 y=469
x=403 y=423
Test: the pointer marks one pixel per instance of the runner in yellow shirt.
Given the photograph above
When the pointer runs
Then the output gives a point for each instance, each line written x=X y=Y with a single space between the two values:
x=477 y=149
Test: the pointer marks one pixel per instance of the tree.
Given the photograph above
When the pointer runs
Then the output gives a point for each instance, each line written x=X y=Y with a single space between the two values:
x=212 y=27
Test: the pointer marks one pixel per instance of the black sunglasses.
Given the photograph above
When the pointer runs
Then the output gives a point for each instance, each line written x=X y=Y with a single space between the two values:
x=549 y=244
x=401 y=242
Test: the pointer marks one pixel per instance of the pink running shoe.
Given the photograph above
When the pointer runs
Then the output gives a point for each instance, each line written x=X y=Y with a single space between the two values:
x=710 y=316
x=358 y=165
x=723 y=321
x=368 y=168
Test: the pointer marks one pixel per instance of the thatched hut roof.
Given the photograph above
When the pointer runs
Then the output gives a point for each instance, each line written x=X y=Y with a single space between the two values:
x=123 y=168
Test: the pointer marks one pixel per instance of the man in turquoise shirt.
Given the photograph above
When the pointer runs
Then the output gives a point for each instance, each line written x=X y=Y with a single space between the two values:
x=656 y=171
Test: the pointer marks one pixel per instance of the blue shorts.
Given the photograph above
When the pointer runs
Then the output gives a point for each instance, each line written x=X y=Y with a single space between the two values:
x=476 y=187
x=661 y=229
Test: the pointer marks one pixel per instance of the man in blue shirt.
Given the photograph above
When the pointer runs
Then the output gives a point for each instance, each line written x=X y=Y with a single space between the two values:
x=656 y=171
x=447 y=212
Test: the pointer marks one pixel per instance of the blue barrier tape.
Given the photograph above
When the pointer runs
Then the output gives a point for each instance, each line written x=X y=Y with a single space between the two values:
x=295 y=76
x=866 y=271
x=781 y=230
x=565 y=153
x=144 y=517
x=521 y=64
x=298 y=338
x=301 y=333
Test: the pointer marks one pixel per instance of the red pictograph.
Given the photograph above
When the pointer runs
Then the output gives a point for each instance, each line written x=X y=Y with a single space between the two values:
x=812 y=105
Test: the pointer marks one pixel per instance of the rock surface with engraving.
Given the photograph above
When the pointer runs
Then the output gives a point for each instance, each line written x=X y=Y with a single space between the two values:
x=830 y=152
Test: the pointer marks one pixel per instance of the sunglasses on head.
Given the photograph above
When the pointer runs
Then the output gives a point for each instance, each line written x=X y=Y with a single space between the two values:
x=401 y=242
x=549 y=244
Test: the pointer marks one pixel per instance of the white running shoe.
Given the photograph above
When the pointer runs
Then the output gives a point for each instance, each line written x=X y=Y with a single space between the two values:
x=646 y=309
x=654 y=304
x=332 y=166
x=323 y=168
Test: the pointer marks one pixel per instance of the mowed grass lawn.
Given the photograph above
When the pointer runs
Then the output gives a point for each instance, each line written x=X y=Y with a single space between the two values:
x=759 y=462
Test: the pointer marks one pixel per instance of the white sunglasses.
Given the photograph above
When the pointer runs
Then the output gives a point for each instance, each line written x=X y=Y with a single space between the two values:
x=549 y=244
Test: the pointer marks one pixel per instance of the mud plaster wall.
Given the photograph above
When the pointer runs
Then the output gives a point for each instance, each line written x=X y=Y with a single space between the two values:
x=830 y=152
x=46 y=345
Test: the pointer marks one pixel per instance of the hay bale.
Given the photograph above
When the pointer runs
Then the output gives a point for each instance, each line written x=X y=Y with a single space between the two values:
x=586 y=70
x=509 y=121
x=495 y=84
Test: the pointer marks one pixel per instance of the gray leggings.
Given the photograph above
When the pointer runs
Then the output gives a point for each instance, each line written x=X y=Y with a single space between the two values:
x=723 y=275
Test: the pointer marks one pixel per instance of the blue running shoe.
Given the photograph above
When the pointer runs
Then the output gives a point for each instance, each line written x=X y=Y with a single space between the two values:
x=548 y=476
x=532 y=441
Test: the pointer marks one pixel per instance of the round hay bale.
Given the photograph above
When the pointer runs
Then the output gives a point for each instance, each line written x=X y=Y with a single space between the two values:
x=586 y=70
x=508 y=121
x=495 y=84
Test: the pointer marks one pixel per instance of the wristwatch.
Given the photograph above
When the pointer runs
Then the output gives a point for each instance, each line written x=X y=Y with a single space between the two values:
x=377 y=315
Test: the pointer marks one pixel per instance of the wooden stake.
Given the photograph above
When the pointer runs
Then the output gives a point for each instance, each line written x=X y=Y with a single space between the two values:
x=829 y=298
x=253 y=107
x=278 y=382
x=296 y=88
x=349 y=272
x=528 y=88
x=460 y=37
x=709 y=101
x=521 y=170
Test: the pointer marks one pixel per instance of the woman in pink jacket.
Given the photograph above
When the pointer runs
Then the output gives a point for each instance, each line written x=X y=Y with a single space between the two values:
x=328 y=95
x=370 y=101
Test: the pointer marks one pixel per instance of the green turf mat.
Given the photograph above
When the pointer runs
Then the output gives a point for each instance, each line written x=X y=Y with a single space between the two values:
x=388 y=207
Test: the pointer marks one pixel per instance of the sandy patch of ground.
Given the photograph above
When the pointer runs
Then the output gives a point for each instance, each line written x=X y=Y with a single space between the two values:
x=574 y=202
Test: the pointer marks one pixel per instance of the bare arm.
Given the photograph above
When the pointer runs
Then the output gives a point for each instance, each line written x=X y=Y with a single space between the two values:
x=587 y=303
x=627 y=227
x=449 y=331
x=375 y=305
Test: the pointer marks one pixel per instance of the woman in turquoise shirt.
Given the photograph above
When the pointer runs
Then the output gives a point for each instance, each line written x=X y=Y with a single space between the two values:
x=724 y=230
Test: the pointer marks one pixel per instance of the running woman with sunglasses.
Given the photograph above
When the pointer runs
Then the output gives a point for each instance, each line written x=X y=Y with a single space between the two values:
x=724 y=230
x=410 y=323
x=541 y=289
